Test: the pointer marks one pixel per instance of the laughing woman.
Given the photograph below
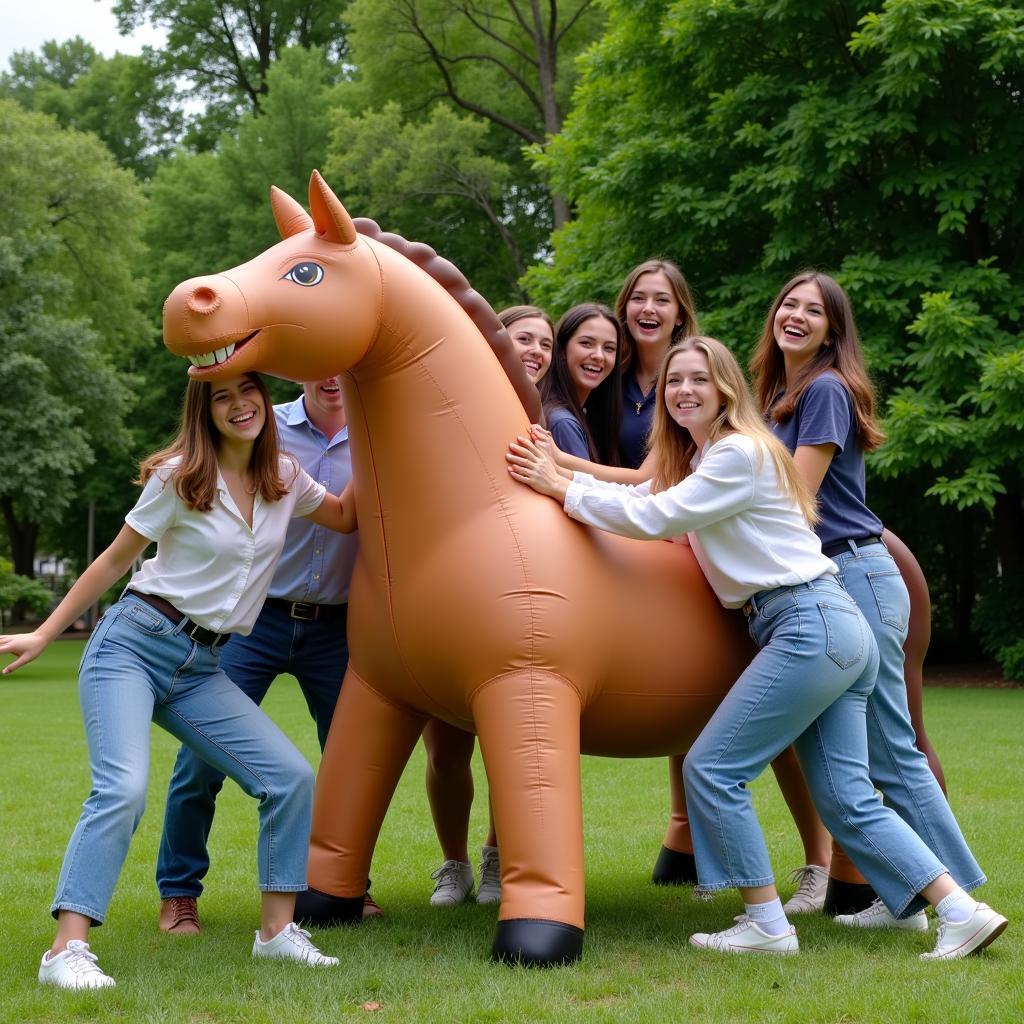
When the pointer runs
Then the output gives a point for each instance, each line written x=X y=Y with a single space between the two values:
x=581 y=394
x=217 y=502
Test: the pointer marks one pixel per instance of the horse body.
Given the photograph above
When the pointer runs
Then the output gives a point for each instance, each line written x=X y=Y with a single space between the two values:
x=474 y=599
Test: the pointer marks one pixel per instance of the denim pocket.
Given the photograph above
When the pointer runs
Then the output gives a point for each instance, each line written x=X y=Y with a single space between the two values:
x=776 y=604
x=892 y=598
x=844 y=633
x=147 y=620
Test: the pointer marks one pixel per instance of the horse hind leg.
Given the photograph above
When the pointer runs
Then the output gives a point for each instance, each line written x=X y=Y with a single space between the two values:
x=529 y=728
x=369 y=744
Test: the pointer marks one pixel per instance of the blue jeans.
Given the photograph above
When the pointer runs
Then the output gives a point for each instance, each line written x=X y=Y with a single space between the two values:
x=896 y=766
x=137 y=668
x=317 y=654
x=808 y=685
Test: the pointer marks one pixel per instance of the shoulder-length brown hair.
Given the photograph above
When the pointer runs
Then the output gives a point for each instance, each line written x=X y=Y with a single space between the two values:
x=196 y=443
x=681 y=291
x=603 y=415
x=673 y=446
x=841 y=353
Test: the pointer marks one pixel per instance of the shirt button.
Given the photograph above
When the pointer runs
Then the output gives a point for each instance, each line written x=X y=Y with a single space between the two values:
x=316 y=575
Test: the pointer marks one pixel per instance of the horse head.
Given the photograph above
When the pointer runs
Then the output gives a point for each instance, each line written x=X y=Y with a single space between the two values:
x=305 y=309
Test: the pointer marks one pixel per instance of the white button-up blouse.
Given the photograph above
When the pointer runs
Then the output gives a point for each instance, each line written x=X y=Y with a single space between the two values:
x=210 y=565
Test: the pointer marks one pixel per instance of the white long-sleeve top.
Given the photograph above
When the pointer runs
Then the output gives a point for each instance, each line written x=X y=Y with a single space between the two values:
x=746 y=532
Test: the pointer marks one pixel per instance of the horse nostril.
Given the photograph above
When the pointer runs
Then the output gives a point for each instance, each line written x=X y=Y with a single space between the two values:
x=203 y=300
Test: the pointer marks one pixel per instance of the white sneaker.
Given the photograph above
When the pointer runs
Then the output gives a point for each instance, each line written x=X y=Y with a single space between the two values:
x=959 y=940
x=747 y=937
x=454 y=880
x=809 y=898
x=878 y=916
x=74 y=967
x=490 y=877
x=292 y=943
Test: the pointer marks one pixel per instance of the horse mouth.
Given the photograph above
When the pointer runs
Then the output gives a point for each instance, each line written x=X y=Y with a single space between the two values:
x=219 y=357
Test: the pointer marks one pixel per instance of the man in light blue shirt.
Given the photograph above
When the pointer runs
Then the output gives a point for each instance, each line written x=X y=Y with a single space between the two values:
x=300 y=630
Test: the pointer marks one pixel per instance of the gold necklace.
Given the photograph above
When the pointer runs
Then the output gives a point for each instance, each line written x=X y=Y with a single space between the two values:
x=644 y=393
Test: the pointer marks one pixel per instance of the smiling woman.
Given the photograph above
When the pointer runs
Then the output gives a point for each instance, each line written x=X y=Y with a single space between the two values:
x=217 y=502
x=581 y=395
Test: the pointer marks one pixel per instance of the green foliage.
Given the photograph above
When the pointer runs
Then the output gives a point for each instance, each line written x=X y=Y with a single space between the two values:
x=20 y=590
x=226 y=48
x=69 y=249
x=469 y=90
x=119 y=99
x=748 y=139
x=998 y=617
x=1011 y=661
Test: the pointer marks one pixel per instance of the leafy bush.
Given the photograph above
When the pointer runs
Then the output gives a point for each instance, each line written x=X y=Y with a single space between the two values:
x=998 y=617
x=1011 y=660
x=20 y=590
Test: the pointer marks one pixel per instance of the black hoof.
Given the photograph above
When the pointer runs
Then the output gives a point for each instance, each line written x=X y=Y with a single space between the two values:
x=847 y=897
x=324 y=910
x=674 y=868
x=534 y=943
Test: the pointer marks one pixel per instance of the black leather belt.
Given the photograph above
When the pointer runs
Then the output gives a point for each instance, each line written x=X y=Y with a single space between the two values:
x=305 y=611
x=192 y=630
x=838 y=547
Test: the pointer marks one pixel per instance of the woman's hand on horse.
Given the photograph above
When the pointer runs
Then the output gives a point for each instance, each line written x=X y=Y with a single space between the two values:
x=528 y=464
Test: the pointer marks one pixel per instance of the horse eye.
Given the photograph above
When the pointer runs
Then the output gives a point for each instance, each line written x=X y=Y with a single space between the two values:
x=306 y=274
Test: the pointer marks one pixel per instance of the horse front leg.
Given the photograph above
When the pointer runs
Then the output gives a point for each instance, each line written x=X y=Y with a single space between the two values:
x=369 y=744
x=529 y=729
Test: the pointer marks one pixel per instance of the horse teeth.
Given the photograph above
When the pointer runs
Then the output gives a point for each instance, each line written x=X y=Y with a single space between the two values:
x=206 y=359
x=193 y=360
x=220 y=354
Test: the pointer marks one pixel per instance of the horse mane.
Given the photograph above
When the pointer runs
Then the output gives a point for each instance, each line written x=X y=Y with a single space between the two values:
x=454 y=282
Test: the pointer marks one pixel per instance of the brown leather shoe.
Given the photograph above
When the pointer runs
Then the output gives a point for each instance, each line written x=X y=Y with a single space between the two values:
x=179 y=915
x=370 y=908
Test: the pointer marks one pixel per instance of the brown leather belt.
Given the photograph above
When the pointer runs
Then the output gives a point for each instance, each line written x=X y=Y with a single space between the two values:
x=192 y=630
x=305 y=611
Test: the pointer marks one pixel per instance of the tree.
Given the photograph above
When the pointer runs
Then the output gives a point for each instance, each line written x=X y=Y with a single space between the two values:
x=226 y=48
x=120 y=99
x=883 y=142
x=69 y=249
x=505 y=66
x=20 y=592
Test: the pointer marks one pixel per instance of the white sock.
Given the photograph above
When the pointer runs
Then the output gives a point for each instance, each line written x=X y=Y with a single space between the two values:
x=957 y=907
x=769 y=917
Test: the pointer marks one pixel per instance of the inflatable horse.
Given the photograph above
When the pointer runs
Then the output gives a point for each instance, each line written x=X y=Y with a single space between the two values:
x=474 y=600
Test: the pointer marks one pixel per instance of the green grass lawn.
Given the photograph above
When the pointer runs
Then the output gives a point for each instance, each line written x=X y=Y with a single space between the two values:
x=421 y=964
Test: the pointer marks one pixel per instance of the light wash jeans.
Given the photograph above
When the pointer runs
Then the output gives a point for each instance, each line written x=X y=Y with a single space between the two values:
x=808 y=685
x=316 y=653
x=137 y=668
x=896 y=766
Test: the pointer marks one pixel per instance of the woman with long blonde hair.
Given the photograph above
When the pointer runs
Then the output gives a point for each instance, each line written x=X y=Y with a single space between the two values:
x=725 y=483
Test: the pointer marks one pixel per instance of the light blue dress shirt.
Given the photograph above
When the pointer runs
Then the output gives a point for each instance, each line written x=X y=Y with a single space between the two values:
x=316 y=563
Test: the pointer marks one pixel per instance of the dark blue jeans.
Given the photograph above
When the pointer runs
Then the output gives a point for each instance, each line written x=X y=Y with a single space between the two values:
x=316 y=653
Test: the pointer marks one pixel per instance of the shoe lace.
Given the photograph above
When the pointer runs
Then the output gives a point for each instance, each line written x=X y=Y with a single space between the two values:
x=184 y=911
x=446 y=876
x=805 y=877
x=303 y=939
x=81 y=959
x=876 y=909
x=721 y=938
x=490 y=869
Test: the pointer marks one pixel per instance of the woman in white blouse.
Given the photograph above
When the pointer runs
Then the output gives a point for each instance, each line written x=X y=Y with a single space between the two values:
x=722 y=479
x=217 y=502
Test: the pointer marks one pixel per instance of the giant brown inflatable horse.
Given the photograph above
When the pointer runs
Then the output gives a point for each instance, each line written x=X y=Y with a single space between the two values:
x=474 y=600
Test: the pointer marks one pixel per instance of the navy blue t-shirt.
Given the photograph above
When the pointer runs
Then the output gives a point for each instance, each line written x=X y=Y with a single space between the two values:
x=568 y=433
x=824 y=415
x=637 y=416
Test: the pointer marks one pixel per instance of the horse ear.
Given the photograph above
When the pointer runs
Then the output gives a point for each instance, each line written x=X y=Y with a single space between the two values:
x=291 y=219
x=330 y=218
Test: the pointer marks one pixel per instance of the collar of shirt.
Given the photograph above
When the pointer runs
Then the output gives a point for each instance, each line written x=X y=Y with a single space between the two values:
x=295 y=415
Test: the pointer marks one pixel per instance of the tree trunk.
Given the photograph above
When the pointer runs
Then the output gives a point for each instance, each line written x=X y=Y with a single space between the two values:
x=1008 y=531
x=22 y=537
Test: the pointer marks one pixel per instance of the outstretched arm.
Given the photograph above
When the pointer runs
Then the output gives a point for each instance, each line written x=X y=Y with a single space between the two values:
x=104 y=572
